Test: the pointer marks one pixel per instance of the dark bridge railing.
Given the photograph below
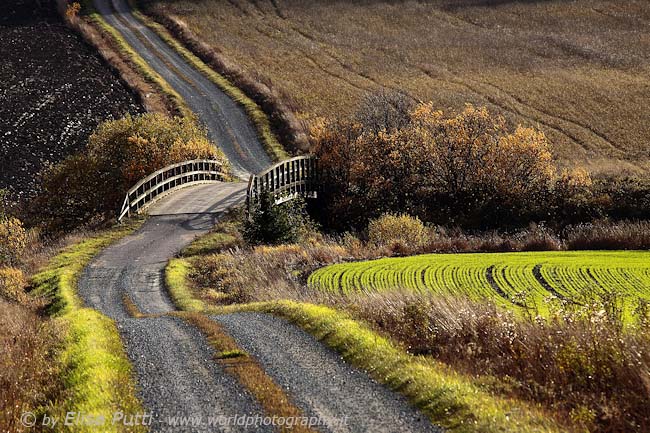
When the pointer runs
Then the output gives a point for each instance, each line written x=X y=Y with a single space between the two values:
x=295 y=177
x=167 y=179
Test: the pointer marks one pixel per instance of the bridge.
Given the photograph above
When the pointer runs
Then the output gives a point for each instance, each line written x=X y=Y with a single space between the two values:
x=286 y=180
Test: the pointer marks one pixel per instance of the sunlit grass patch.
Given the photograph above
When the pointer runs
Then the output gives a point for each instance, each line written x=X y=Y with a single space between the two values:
x=96 y=371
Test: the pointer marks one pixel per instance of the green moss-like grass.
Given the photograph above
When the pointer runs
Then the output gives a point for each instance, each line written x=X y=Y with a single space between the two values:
x=97 y=372
x=176 y=281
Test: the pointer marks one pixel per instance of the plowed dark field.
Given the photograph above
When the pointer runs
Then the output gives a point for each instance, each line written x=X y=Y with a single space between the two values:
x=54 y=90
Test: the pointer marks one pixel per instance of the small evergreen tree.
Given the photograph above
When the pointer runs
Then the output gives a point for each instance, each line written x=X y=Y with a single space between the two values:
x=269 y=223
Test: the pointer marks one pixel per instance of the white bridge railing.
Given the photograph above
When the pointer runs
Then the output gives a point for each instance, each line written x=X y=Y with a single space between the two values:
x=167 y=179
x=286 y=180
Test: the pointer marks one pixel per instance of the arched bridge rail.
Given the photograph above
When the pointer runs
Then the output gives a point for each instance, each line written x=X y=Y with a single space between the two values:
x=286 y=180
x=170 y=178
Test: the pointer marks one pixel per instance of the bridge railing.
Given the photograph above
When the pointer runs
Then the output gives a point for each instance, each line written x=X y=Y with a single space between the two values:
x=286 y=180
x=167 y=179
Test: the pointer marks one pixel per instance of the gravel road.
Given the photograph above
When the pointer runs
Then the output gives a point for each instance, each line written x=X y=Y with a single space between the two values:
x=135 y=265
x=318 y=380
x=174 y=364
x=227 y=123
x=178 y=377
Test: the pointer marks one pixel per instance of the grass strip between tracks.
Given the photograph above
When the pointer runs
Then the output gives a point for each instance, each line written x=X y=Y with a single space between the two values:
x=260 y=120
x=234 y=360
x=249 y=373
x=138 y=62
x=452 y=400
x=97 y=372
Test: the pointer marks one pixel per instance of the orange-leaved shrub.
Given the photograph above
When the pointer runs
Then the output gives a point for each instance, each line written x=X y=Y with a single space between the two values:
x=403 y=229
x=118 y=154
x=467 y=168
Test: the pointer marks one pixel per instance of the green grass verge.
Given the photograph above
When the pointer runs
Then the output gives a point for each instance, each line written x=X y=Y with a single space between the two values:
x=209 y=244
x=513 y=280
x=452 y=400
x=138 y=62
x=97 y=372
x=260 y=119
x=176 y=280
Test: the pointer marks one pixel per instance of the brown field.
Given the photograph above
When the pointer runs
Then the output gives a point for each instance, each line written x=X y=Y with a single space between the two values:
x=579 y=70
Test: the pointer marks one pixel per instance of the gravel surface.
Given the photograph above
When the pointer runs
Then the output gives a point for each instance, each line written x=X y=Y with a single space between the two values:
x=318 y=380
x=178 y=377
x=54 y=91
x=227 y=123
x=135 y=265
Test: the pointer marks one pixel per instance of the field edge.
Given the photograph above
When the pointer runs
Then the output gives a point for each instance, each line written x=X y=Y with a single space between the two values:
x=447 y=398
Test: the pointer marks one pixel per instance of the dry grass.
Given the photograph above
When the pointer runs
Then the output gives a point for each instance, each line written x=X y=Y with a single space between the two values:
x=29 y=368
x=577 y=70
x=581 y=363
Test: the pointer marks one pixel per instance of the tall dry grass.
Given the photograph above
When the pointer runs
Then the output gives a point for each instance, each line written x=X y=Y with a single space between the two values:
x=29 y=369
x=581 y=364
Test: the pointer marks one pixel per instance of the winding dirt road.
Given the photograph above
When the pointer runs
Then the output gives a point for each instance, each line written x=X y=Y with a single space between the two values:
x=227 y=123
x=174 y=365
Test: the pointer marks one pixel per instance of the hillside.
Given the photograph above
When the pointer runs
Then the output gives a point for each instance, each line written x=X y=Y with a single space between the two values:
x=578 y=70
x=54 y=90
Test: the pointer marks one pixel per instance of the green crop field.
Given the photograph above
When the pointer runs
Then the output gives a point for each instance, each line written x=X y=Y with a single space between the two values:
x=510 y=279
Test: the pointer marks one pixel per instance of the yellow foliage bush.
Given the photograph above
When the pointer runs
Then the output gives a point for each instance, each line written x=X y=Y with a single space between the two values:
x=119 y=153
x=391 y=228
x=12 y=284
x=13 y=239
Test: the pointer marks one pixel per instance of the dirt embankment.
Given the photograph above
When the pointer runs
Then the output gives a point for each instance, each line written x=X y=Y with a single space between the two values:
x=54 y=90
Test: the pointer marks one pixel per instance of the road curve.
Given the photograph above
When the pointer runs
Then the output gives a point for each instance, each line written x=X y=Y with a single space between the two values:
x=226 y=121
x=173 y=363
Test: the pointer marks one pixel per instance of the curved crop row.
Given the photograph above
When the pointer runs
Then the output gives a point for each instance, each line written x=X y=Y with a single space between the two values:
x=512 y=279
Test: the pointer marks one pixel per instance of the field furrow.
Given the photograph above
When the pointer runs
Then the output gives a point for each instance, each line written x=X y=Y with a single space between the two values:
x=516 y=280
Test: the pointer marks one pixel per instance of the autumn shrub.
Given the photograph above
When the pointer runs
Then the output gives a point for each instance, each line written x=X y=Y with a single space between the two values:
x=118 y=154
x=13 y=240
x=72 y=9
x=467 y=168
x=12 y=285
x=397 y=228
